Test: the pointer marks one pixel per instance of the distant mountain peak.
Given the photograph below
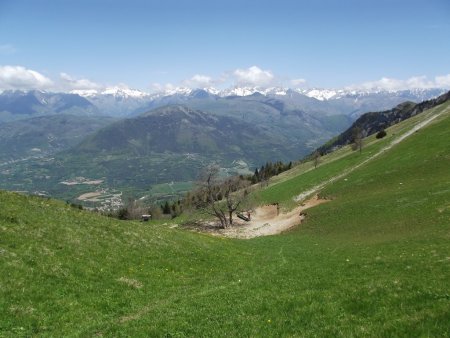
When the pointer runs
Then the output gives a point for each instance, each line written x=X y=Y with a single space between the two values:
x=177 y=90
x=116 y=91
x=124 y=92
x=85 y=92
x=320 y=94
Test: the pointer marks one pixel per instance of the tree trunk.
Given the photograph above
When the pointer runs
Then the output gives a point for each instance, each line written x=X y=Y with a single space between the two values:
x=222 y=217
x=223 y=222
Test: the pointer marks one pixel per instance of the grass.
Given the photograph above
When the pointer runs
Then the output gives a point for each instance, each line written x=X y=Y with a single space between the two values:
x=304 y=176
x=375 y=261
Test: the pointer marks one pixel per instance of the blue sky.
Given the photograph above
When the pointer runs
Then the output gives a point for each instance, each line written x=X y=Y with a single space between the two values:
x=149 y=44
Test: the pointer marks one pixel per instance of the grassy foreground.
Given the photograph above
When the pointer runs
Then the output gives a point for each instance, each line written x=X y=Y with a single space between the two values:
x=375 y=261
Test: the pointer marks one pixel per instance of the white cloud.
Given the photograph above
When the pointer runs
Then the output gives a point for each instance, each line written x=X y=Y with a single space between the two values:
x=298 y=82
x=169 y=88
x=199 y=81
x=415 y=82
x=7 y=49
x=443 y=81
x=21 y=78
x=158 y=87
x=70 y=83
x=253 y=76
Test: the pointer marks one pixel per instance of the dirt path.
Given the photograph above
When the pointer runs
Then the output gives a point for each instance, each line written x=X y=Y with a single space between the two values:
x=267 y=220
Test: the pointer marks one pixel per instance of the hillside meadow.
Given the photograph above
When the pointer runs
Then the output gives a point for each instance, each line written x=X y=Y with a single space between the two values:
x=374 y=261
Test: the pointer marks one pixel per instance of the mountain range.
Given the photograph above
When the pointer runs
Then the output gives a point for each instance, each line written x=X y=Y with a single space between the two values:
x=135 y=142
x=15 y=105
x=122 y=102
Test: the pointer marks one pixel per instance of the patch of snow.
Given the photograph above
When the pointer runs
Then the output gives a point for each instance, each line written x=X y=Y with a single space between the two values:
x=124 y=92
x=212 y=90
x=177 y=90
x=240 y=91
x=85 y=92
x=321 y=94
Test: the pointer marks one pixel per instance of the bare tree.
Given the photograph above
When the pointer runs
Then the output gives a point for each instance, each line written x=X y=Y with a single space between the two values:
x=209 y=194
x=316 y=158
x=234 y=193
x=357 y=139
x=219 y=198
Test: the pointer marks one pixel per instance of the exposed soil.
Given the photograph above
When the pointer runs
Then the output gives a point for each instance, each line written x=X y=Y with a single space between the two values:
x=267 y=220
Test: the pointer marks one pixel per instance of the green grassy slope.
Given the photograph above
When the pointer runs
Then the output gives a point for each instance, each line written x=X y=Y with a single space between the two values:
x=374 y=261
x=303 y=177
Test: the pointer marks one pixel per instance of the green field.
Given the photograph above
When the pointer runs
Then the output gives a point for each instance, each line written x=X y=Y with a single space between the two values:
x=374 y=261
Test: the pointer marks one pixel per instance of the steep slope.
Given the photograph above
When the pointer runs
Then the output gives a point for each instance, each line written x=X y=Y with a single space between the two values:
x=306 y=125
x=178 y=129
x=371 y=262
x=306 y=179
x=371 y=123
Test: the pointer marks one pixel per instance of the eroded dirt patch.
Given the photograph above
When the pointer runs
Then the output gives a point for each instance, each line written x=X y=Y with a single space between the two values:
x=268 y=220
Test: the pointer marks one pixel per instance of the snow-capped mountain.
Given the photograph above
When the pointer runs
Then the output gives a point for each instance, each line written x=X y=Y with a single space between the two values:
x=240 y=91
x=117 y=100
x=124 y=92
x=85 y=92
x=122 y=101
x=246 y=91
x=321 y=94
x=117 y=91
